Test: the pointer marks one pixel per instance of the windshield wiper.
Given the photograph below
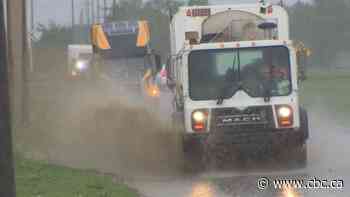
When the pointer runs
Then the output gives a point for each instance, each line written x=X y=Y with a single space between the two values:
x=223 y=94
x=229 y=78
x=267 y=91
x=267 y=86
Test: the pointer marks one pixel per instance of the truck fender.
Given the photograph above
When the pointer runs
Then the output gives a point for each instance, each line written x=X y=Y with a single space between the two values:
x=304 y=122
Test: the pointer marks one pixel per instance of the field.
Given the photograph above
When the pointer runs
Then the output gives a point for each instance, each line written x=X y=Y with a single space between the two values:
x=329 y=93
x=37 y=179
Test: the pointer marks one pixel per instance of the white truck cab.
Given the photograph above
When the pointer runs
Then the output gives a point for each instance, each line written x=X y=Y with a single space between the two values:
x=234 y=73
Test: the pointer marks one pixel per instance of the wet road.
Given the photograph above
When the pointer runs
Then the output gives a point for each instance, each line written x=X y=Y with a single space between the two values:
x=328 y=159
x=96 y=129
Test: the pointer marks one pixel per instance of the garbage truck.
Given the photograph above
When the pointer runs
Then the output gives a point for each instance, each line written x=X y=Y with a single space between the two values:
x=122 y=54
x=233 y=71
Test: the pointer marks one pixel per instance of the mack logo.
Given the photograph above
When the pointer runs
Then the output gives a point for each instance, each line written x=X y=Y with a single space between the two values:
x=240 y=119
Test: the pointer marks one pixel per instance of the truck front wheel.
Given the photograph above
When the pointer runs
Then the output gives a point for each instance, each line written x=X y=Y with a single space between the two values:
x=299 y=153
x=295 y=154
x=193 y=154
x=296 y=157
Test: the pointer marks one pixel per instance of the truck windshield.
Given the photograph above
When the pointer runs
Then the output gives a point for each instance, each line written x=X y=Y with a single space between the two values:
x=259 y=70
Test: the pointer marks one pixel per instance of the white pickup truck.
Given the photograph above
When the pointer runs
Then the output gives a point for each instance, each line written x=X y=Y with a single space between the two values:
x=79 y=60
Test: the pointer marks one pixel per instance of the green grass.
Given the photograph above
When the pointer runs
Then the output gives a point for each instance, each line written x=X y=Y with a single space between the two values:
x=328 y=91
x=37 y=179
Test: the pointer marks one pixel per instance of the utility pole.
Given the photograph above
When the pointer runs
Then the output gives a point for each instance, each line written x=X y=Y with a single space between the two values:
x=25 y=65
x=32 y=25
x=88 y=12
x=73 y=20
x=81 y=19
x=73 y=14
x=30 y=38
x=104 y=10
x=93 y=10
x=98 y=11
x=17 y=42
x=7 y=180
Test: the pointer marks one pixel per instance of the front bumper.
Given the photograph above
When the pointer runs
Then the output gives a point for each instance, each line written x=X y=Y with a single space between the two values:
x=275 y=137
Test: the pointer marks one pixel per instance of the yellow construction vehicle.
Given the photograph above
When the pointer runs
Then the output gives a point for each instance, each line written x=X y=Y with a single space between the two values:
x=303 y=54
x=124 y=56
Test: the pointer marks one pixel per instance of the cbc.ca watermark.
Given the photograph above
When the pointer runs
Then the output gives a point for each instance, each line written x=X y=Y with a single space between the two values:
x=264 y=183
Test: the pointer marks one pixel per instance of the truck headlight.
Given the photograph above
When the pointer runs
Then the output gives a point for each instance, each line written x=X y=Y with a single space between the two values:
x=199 y=116
x=199 y=120
x=284 y=115
x=80 y=65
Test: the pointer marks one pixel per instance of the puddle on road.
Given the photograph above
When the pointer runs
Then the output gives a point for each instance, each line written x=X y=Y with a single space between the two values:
x=101 y=131
x=97 y=129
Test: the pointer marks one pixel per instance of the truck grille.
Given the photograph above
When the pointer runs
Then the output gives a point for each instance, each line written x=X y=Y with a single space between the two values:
x=251 y=119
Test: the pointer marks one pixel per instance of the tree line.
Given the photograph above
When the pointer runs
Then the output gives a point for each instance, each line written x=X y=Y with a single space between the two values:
x=322 y=25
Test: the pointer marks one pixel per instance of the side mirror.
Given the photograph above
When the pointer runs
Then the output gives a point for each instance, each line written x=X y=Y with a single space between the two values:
x=158 y=62
x=170 y=83
x=302 y=76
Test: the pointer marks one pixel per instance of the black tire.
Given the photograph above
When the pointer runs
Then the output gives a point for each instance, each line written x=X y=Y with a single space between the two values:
x=193 y=155
x=298 y=157
x=298 y=153
x=295 y=153
x=177 y=121
x=219 y=156
x=192 y=147
x=216 y=156
x=292 y=157
x=304 y=123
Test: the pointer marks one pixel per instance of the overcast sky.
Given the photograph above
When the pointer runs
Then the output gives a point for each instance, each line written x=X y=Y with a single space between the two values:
x=59 y=11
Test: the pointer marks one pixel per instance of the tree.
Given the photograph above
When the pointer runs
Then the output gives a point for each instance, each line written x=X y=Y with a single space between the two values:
x=198 y=2
x=168 y=7
x=330 y=19
x=54 y=35
x=321 y=25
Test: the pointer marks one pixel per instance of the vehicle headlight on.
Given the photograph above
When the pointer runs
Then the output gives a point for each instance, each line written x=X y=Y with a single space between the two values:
x=284 y=111
x=284 y=115
x=199 y=120
x=198 y=116
x=153 y=91
x=80 y=65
